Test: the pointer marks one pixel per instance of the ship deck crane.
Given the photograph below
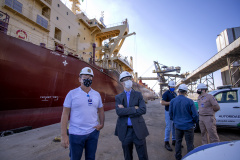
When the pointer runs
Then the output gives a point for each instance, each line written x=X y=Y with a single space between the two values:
x=74 y=6
x=108 y=54
x=113 y=40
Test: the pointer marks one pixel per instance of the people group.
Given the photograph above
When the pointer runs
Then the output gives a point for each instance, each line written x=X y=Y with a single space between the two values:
x=83 y=107
x=182 y=117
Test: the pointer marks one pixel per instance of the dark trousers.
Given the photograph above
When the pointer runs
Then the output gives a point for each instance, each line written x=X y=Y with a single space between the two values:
x=140 y=145
x=80 y=142
x=189 y=138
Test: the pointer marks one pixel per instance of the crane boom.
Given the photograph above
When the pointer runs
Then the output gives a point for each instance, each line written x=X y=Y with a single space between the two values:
x=114 y=40
x=121 y=37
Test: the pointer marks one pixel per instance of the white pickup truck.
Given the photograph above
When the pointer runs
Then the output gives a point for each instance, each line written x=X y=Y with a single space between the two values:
x=229 y=101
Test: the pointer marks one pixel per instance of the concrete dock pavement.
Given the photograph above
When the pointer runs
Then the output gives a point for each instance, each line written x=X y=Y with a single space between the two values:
x=37 y=144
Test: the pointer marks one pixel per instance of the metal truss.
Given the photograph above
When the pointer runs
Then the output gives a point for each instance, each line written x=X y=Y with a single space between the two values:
x=233 y=70
x=208 y=80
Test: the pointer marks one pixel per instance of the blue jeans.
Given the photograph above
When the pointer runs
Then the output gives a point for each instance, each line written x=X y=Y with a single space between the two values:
x=189 y=138
x=169 y=127
x=79 y=142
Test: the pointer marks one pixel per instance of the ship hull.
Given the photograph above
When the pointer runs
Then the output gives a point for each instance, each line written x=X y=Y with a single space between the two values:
x=35 y=80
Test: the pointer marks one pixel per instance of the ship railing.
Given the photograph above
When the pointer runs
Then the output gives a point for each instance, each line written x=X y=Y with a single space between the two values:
x=70 y=51
x=91 y=22
x=84 y=13
x=48 y=1
x=86 y=18
x=124 y=22
x=4 y=21
x=28 y=13
x=67 y=50
x=124 y=59
x=90 y=18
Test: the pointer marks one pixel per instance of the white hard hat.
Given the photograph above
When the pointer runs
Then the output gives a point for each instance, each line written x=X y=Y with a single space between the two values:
x=171 y=84
x=201 y=86
x=124 y=74
x=86 y=70
x=183 y=87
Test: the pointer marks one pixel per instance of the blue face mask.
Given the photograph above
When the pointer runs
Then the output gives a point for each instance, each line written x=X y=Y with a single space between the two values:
x=172 y=89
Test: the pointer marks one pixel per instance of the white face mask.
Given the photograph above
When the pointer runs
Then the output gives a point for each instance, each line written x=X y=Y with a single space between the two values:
x=128 y=84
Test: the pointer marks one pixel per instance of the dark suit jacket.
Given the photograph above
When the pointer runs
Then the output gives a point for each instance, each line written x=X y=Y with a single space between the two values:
x=135 y=115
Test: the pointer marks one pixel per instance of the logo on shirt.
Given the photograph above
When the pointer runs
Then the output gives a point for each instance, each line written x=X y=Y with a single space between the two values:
x=89 y=102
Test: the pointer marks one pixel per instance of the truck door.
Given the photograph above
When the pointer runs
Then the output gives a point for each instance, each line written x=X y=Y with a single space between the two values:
x=229 y=113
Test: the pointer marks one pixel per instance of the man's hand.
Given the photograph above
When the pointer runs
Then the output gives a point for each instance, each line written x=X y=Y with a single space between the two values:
x=165 y=103
x=65 y=141
x=136 y=107
x=120 y=106
x=98 y=127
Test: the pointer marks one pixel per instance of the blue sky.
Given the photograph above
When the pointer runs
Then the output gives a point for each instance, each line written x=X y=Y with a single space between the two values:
x=173 y=32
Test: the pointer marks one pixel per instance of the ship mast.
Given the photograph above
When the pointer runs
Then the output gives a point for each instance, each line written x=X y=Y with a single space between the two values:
x=74 y=6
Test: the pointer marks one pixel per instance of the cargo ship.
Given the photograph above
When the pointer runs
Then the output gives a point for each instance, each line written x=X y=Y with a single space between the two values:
x=44 y=45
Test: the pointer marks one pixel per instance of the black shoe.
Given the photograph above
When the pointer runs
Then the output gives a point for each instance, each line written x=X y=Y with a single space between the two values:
x=167 y=146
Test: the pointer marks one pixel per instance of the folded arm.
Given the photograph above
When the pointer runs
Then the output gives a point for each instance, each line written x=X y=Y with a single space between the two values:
x=121 y=111
x=141 y=109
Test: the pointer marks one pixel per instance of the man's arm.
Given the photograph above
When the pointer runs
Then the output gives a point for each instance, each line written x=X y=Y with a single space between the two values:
x=121 y=111
x=194 y=112
x=64 y=122
x=141 y=109
x=101 y=119
x=171 y=110
x=216 y=107
x=214 y=104
x=165 y=103
x=164 y=99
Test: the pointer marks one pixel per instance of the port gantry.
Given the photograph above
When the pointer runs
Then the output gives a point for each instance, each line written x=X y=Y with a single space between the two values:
x=163 y=75
x=204 y=73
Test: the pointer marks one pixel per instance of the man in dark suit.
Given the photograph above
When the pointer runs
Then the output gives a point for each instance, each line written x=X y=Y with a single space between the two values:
x=131 y=128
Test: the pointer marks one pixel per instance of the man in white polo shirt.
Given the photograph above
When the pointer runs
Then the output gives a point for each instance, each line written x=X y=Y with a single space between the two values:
x=83 y=104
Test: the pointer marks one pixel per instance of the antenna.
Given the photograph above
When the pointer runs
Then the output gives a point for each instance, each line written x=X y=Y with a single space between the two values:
x=102 y=18
x=102 y=15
